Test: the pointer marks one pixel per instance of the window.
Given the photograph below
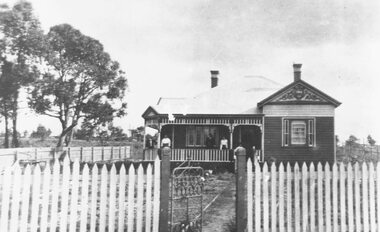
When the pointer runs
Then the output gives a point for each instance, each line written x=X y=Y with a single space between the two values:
x=196 y=135
x=298 y=132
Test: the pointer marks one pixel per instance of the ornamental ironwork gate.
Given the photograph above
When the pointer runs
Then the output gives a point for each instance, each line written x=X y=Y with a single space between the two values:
x=186 y=210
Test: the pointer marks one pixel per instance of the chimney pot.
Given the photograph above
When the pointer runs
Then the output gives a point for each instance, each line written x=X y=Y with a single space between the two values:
x=297 y=71
x=214 y=78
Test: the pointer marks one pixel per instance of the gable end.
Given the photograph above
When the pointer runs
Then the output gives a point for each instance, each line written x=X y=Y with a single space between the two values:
x=299 y=92
x=150 y=112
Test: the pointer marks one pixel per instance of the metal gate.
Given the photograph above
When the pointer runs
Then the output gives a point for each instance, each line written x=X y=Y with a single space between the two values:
x=186 y=210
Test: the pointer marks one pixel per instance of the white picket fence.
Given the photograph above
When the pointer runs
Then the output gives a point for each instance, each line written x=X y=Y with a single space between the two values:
x=80 y=199
x=344 y=198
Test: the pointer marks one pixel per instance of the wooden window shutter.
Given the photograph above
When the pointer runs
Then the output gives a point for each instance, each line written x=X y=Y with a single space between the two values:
x=285 y=133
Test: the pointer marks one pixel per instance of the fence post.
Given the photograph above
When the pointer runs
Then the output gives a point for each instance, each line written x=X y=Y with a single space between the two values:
x=164 y=192
x=241 y=179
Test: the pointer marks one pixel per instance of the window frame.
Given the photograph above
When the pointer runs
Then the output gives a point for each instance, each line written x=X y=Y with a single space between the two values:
x=310 y=134
x=192 y=131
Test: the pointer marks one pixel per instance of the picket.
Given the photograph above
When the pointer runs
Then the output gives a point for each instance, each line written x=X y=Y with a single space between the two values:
x=122 y=182
x=378 y=194
x=312 y=197
x=74 y=197
x=320 y=198
x=350 y=207
x=305 y=190
x=140 y=196
x=289 y=211
x=257 y=197
x=94 y=189
x=281 y=198
x=25 y=199
x=35 y=198
x=249 y=196
x=5 y=198
x=358 y=226
x=54 y=197
x=365 y=197
x=84 y=199
x=347 y=198
x=335 y=196
x=265 y=198
x=371 y=184
x=148 y=214
x=342 y=198
x=112 y=199
x=131 y=198
x=156 y=195
x=273 y=200
x=297 y=210
x=45 y=200
x=103 y=199
x=328 y=197
x=15 y=198
x=65 y=195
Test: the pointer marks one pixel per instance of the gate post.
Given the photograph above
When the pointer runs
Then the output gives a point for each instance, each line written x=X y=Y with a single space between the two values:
x=241 y=181
x=164 y=190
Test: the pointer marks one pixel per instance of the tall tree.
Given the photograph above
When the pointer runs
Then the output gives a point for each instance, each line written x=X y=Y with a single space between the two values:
x=20 y=46
x=81 y=81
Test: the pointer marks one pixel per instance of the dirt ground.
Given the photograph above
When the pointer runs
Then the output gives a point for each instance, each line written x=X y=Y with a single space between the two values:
x=220 y=213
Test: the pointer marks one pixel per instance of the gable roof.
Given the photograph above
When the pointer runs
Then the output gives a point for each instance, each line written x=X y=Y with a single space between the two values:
x=236 y=97
x=299 y=92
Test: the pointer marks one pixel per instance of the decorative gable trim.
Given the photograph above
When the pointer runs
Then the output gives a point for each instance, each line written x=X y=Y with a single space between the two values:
x=150 y=112
x=299 y=92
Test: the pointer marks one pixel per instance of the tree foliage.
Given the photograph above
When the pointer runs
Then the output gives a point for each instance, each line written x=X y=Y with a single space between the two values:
x=371 y=141
x=101 y=133
x=42 y=133
x=352 y=140
x=81 y=81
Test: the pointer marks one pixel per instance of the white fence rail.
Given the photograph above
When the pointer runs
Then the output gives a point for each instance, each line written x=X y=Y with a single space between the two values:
x=80 y=198
x=341 y=198
x=84 y=154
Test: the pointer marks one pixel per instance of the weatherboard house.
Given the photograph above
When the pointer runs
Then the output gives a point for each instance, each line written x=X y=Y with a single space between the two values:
x=273 y=123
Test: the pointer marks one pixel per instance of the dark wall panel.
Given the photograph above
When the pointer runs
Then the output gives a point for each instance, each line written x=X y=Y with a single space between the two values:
x=323 y=151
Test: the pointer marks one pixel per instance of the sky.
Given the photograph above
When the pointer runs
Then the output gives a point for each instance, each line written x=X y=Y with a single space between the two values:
x=168 y=48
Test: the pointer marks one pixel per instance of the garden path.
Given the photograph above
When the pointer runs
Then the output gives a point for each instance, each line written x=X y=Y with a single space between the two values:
x=220 y=214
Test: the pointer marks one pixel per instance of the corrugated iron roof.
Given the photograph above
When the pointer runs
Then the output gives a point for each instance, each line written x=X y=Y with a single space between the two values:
x=237 y=97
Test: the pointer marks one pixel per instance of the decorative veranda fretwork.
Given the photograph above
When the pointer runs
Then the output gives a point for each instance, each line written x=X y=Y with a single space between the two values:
x=299 y=93
x=186 y=199
x=215 y=121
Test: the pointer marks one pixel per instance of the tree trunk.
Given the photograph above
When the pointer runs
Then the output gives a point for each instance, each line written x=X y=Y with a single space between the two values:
x=15 y=142
x=61 y=139
x=69 y=138
x=66 y=131
x=6 y=139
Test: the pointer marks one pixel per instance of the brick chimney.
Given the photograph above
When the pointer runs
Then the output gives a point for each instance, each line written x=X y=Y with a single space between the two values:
x=214 y=78
x=297 y=71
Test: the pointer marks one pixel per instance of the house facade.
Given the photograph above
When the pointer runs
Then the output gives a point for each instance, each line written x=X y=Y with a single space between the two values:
x=273 y=123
